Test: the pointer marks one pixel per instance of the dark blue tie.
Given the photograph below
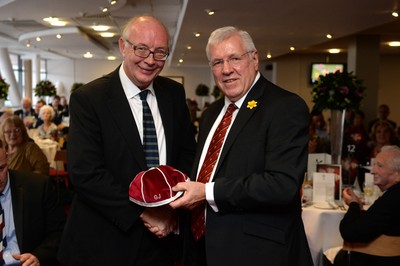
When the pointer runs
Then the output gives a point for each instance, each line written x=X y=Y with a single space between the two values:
x=150 y=145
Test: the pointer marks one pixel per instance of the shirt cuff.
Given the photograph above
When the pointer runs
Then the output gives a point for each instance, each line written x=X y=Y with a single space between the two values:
x=210 y=196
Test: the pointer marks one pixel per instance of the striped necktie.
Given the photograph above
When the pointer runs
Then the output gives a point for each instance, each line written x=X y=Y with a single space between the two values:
x=150 y=145
x=198 y=215
x=3 y=243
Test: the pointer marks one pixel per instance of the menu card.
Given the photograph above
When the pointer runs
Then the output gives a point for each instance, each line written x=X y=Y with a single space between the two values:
x=336 y=170
x=323 y=187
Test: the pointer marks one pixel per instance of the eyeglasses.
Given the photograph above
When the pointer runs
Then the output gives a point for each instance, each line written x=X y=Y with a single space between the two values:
x=233 y=61
x=144 y=52
x=16 y=131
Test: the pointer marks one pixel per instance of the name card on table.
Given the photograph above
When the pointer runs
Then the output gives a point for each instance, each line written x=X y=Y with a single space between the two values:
x=323 y=187
x=336 y=170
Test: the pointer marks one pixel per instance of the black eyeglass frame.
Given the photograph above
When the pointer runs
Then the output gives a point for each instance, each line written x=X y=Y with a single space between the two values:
x=136 y=47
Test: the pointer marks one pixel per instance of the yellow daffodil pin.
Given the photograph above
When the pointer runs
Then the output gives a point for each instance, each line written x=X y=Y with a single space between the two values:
x=251 y=104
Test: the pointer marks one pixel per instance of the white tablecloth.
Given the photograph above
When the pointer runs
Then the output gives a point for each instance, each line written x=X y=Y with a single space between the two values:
x=49 y=148
x=322 y=230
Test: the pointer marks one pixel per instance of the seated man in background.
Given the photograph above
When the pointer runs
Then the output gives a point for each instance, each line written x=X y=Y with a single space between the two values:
x=26 y=113
x=369 y=233
x=32 y=217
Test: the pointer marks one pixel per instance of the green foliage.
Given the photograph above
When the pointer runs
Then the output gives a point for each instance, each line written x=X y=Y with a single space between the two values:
x=339 y=90
x=45 y=88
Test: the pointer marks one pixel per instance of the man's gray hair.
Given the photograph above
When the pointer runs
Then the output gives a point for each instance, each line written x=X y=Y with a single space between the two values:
x=394 y=162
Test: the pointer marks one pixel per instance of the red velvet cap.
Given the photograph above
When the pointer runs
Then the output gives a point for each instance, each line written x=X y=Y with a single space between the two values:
x=153 y=188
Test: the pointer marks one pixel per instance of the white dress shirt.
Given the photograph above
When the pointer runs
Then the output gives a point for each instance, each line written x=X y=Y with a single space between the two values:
x=132 y=95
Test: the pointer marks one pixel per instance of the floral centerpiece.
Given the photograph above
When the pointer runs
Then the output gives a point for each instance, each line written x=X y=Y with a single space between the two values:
x=337 y=91
x=45 y=88
x=3 y=88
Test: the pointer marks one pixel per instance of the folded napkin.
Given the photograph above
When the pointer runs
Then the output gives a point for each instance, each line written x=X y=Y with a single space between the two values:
x=153 y=188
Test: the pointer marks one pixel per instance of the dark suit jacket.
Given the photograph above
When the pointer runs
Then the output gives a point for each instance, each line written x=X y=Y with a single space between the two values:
x=257 y=181
x=104 y=155
x=38 y=217
x=382 y=217
x=20 y=113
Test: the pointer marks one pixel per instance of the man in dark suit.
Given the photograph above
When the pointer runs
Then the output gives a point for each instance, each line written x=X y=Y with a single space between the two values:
x=253 y=209
x=105 y=153
x=26 y=113
x=378 y=228
x=33 y=217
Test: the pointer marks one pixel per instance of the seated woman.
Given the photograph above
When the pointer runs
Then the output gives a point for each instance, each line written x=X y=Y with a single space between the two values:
x=23 y=153
x=47 y=130
x=382 y=134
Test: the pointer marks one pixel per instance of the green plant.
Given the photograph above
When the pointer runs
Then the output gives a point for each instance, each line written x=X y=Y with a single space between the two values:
x=339 y=90
x=202 y=90
x=45 y=88
x=3 y=88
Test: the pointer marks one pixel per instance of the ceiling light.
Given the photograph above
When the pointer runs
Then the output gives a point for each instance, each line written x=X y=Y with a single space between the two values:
x=329 y=36
x=196 y=34
x=334 y=51
x=395 y=14
x=394 y=44
x=189 y=47
x=50 y=19
x=103 y=9
x=107 y=34
x=88 y=55
x=181 y=61
x=58 y=23
x=210 y=12
x=112 y=2
x=292 y=48
x=28 y=44
x=38 y=39
x=111 y=57
x=269 y=55
x=58 y=36
x=100 y=27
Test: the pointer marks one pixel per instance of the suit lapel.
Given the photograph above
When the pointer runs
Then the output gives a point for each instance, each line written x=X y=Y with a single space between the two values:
x=165 y=107
x=241 y=119
x=119 y=107
x=18 y=206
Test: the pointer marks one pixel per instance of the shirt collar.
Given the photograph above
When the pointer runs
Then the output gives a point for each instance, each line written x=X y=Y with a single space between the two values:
x=239 y=102
x=130 y=89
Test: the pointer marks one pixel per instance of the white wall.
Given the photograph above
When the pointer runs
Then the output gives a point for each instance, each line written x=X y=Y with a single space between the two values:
x=291 y=72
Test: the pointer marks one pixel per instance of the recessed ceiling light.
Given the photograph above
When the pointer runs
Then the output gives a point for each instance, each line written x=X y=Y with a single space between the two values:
x=113 y=2
x=395 y=14
x=269 y=55
x=196 y=34
x=100 y=27
x=292 y=48
x=329 y=36
x=334 y=51
x=210 y=12
x=50 y=19
x=181 y=61
x=88 y=55
x=111 y=57
x=58 y=23
x=38 y=39
x=189 y=47
x=58 y=36
x=28 y=44
x=103 y=9
x=394 y=44
x=107 y=34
